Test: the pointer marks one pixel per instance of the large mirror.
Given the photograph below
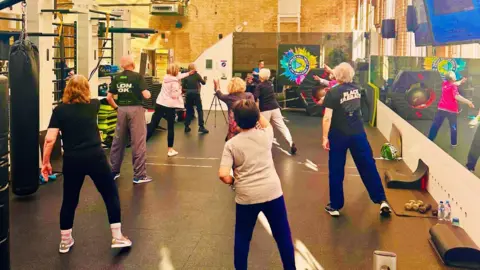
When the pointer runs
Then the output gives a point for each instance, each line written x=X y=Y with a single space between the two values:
x=438 y=97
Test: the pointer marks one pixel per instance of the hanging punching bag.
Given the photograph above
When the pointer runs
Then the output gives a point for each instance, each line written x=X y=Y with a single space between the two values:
x=4 y=209
x=25 y=118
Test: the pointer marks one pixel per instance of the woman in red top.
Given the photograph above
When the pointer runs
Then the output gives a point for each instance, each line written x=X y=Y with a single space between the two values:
x=448 y=107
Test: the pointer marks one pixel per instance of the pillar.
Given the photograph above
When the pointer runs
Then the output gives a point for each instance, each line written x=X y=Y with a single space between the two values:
x=122 y=42
x=38 y=22
x=87 y=50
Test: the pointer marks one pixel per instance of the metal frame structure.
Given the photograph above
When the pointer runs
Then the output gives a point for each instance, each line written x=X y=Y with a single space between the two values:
x=60 y=71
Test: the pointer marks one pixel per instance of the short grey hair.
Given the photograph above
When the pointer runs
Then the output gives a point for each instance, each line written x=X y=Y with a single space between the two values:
x=264 y=74
x=344 y=73
x=451 y=76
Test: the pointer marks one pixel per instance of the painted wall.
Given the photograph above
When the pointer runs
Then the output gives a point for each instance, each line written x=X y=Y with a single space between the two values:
x=221 y=51
x=449 y=180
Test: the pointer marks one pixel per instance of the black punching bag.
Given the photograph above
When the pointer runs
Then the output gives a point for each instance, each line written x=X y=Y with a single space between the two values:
x=25 y=119
x=4 y=210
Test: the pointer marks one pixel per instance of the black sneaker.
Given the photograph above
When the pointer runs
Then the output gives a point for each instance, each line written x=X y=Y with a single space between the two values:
x=187 y=129
x=331 y=211
x=203 y=130
x=293 y=149
x=115 y=175
x=385 y=209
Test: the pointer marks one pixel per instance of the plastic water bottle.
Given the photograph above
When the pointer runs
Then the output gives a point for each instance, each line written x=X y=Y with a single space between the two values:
x=441 y=211
x=448 y=211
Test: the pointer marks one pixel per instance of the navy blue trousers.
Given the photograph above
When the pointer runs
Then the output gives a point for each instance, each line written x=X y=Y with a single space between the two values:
x=363 y=158
x=276 y=214
x=437 y=123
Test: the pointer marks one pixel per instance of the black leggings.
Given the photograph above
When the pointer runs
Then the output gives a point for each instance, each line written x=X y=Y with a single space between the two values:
x=75 y=168
x=163 y=112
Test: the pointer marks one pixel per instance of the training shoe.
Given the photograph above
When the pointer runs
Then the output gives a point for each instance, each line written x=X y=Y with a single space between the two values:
x=203 y=130
x=331 y=211
x=293 y=149
x=121 y=243
x=144 y=179
x=65 y=246
x=187 y=129
x=115 y=175
x=385 y=209
x=454 y=145
x=172 y=153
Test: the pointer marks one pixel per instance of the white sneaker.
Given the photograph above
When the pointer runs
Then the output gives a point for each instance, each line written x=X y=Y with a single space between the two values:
x=385 y=209
x=172 y=153
x=65 y=246
x=121 y=243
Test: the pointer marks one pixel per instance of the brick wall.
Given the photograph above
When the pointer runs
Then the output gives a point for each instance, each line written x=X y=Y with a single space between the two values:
x=401 y=21
x=207 y=19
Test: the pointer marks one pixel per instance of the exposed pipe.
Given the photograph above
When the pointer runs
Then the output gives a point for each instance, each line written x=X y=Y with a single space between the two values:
x=126 y=5
x=8 y=3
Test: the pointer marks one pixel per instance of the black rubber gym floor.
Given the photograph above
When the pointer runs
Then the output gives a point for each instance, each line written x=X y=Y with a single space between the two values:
x=185 y=218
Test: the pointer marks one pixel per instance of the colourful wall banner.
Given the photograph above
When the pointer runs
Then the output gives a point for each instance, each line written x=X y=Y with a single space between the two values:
x=295 y=61
x=445 y=65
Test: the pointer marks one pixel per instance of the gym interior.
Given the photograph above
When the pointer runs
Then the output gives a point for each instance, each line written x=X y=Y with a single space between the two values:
x=410 y=58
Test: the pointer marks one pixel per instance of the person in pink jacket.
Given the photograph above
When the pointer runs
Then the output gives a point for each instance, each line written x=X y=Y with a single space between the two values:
x=168 y=101
x=448 y=107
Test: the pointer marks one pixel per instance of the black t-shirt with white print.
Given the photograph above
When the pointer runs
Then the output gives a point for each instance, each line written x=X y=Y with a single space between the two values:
x=128 y=85
x=344 y=100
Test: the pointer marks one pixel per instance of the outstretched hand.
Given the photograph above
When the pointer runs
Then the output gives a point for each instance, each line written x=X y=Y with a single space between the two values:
x=216 y=84
x=316 y=78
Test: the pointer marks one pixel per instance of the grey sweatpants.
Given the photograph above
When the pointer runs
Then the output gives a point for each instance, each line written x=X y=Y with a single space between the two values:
x=276 y=119
x=131 y=120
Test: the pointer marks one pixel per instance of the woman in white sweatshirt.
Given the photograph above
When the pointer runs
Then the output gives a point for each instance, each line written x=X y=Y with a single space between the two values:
x=168 y=101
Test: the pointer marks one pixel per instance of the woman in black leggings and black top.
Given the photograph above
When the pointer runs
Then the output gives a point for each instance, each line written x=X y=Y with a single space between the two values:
x=83 y=155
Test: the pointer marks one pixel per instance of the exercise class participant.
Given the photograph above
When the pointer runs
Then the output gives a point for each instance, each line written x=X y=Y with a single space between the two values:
x=76 y=119
x=236 y=92
x=448 y=107
x=251 y=85
x=257 y=185
x=343 y=130
x=168 y=101
x=256 y=71
x=130 y=87
x=192 y=85
x=270 y=109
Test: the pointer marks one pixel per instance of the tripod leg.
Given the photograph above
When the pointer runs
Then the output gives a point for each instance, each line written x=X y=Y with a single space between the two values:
x=209 y=110
x=216 y=100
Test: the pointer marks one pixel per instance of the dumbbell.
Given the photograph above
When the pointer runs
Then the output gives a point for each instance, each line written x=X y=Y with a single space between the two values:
x=425 y=208
x=409 y=205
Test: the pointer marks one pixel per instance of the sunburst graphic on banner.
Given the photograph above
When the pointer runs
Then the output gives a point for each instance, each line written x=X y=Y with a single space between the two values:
x=445 y=65
x=296 y=64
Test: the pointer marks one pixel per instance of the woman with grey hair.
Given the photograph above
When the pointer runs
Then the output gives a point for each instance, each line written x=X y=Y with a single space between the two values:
x=448 y=107
x=269 y=108
x=343 y=130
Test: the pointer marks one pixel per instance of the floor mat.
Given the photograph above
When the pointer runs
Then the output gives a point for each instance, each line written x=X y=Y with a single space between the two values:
x=398 y=197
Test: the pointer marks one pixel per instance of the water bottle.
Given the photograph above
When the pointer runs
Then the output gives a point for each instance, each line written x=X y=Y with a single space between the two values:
x=448 y=211
x=441 y=211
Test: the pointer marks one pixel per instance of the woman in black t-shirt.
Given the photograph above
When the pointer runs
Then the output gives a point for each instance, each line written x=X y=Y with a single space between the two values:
x=76 y=119
x=343 y=130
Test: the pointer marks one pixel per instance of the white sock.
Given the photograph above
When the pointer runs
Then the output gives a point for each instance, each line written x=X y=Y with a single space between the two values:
x=116 y=230
x=66 y=235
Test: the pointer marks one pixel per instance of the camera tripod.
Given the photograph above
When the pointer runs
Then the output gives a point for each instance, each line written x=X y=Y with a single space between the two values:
x=216 y=102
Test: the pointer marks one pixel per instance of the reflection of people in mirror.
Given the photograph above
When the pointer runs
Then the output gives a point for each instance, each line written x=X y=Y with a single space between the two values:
x=474 y=152
x=448 y=107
